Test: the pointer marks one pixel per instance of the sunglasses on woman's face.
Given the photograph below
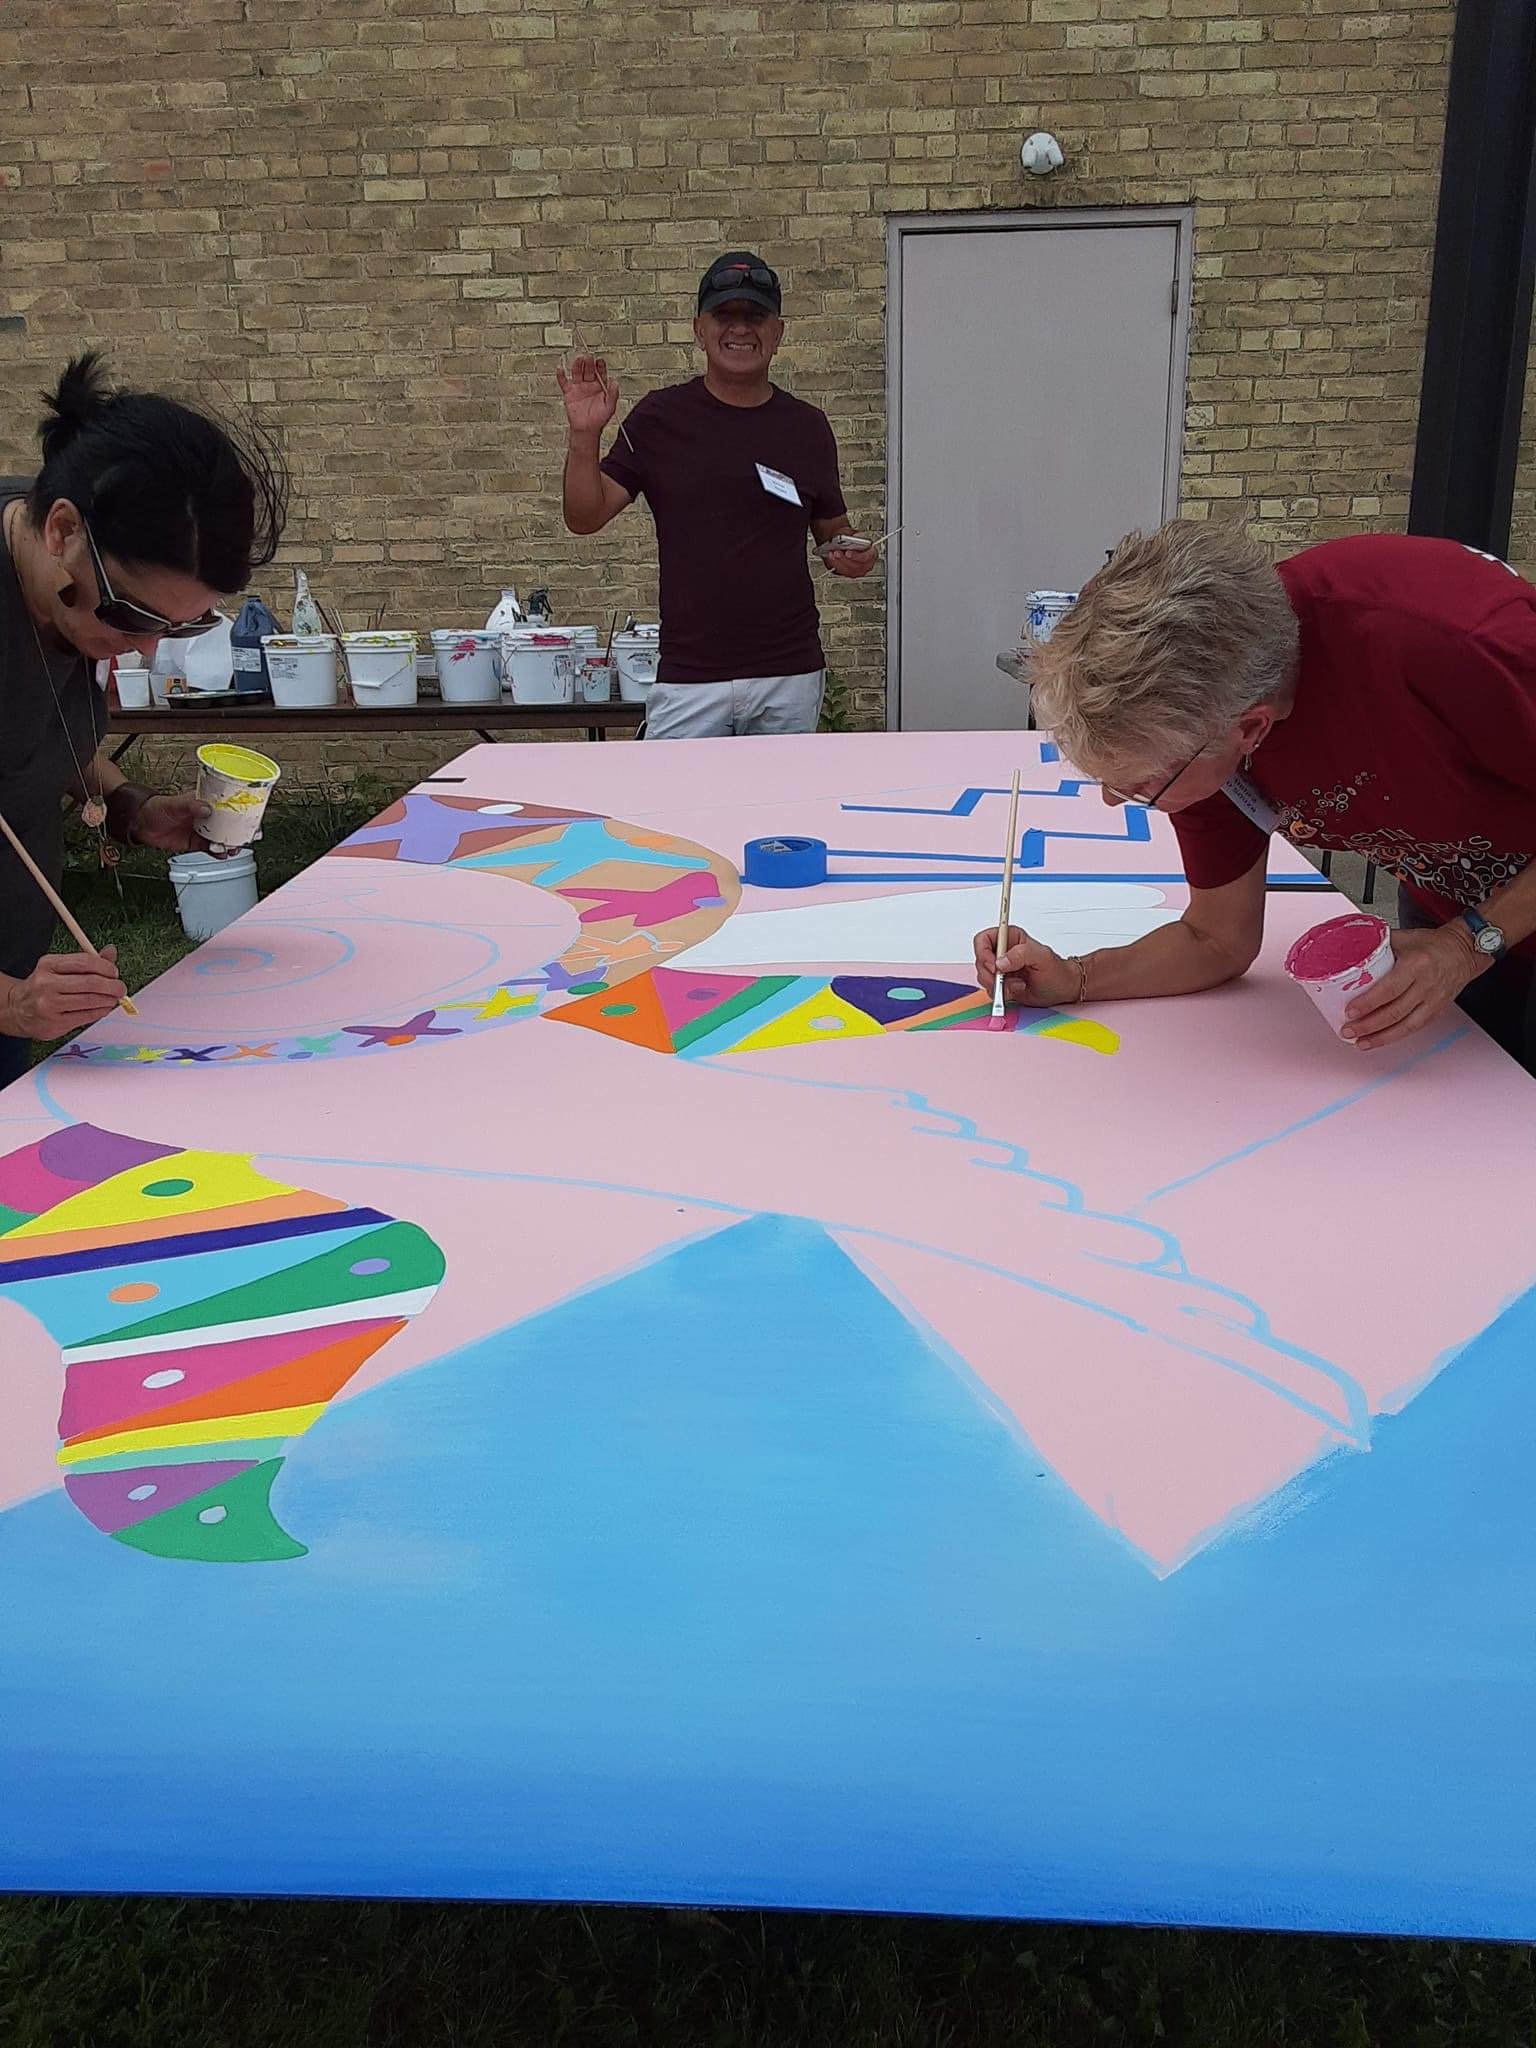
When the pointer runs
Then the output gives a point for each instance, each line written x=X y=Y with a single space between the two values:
x=123 y=615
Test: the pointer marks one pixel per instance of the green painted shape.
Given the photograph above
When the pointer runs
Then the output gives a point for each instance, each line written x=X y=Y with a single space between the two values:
x=589 y=988
x=741 y=1004
x=168 y=1187
x=247 y=1533
x=618 y=1010
x=12 y=1219
x=322 y=1282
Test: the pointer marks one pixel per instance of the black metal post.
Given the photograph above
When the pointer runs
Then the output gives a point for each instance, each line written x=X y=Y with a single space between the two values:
x=1480 y=292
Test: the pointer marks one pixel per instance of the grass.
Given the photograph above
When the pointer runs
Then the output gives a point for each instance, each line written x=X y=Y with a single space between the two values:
x=152 y=1973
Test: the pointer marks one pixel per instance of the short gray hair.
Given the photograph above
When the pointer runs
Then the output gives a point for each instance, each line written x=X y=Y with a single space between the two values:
x=1178 y=634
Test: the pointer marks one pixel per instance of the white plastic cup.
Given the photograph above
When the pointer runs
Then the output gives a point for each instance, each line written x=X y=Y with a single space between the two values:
x=302 y=669
x=381 y=668
x=133 y=689
x=1338 y=960
x=468 y=665
x=594 y=678
x=212 y=893
x=235 y=782
x=1045 y=610
x=160 y=687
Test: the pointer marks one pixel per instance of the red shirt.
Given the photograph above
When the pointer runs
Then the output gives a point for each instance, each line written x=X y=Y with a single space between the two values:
x=736 y=596
x=1413 y=737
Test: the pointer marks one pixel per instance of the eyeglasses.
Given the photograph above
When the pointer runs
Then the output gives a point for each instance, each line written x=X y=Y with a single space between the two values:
x=1126 y=796
x=123 y=615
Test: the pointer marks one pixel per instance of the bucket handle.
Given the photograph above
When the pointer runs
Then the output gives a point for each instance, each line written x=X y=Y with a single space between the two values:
x=378 y=682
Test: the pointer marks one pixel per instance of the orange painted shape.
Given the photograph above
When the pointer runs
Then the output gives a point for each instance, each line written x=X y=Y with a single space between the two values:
x=631 y=1010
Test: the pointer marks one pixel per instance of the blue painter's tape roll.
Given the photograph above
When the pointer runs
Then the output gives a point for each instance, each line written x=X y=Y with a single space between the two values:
x=784 y=863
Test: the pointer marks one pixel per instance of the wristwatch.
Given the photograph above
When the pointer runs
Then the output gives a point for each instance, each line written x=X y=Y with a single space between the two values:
x=1486 y=938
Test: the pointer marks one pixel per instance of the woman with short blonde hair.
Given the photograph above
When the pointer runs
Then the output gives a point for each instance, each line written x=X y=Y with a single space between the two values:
x=1375 y=695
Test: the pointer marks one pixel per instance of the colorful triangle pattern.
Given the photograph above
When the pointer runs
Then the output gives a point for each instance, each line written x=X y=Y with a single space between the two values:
x=206 y=1315
x=703 y=1014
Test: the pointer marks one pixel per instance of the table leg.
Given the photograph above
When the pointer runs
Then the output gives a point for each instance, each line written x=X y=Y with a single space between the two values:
x=122 y=747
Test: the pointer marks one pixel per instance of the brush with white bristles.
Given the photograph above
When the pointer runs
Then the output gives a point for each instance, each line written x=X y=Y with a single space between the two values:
x=998 y=1021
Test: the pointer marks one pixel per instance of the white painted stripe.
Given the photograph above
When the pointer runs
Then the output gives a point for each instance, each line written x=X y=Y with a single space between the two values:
x=379 y=1308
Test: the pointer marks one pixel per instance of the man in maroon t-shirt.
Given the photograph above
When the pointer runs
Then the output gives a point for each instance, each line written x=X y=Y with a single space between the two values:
x=1375 y=695
x=735 y=472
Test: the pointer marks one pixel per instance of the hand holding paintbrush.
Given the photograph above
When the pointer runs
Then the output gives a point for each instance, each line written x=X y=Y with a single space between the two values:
x=64 y=992
x=589 y=410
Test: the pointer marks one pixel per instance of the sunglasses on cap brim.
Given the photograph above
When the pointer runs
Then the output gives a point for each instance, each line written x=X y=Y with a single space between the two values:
x=123 y=615
x=740 y=274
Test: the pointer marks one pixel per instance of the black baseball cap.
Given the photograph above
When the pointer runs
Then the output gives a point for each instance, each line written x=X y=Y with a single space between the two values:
x=740 y=275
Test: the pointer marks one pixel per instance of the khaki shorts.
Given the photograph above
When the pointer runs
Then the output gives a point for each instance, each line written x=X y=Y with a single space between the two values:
x=752 y=704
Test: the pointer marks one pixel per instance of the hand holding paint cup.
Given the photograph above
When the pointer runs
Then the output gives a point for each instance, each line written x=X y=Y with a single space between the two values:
x=1339 y=960
x=235 y=783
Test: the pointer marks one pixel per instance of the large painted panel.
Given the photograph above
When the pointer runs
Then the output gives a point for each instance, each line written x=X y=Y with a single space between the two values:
x=771 y=1440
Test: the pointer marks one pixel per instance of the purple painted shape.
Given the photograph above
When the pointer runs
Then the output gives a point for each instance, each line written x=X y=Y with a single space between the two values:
x=427 y=833
x=102 y=1497
x=871 y=993
x=419 y=1026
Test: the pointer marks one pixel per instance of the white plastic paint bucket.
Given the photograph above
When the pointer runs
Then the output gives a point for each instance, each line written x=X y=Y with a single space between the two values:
x=381 y=668
x=133 y=689
x=594 y=678
x=468 y=665
x=1045 y=611
x=540 y=662
x=212 y=893
x=637 y=656
x=302 y=667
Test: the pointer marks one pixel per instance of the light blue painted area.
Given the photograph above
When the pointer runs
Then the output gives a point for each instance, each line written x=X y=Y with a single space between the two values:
x=726 y=1583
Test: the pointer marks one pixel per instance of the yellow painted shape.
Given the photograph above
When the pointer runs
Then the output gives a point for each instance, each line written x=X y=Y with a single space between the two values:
x=499 y=1003
x=220 y=1180
x=243 y=763
x=1084 y=1031
x=275 y=1422
x=801 y=1025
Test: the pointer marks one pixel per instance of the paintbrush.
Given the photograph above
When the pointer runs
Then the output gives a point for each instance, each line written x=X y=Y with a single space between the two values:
x=60 y=908
x=998 y=1021
x=844 y=540
x=613 y=627
x=603 y=382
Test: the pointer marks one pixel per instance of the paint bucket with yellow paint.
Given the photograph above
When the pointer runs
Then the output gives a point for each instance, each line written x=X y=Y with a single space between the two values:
x=235 y=783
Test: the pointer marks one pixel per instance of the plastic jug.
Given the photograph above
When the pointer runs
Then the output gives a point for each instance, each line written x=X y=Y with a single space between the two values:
x=251 y=677
x=506 y=614
x=306 y=613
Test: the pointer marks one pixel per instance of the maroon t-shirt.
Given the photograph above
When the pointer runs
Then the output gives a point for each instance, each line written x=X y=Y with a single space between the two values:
x=736 y=596
x=1413 y=737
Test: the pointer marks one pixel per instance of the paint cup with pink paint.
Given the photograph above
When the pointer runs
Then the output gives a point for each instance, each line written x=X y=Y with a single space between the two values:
x=1339 y=960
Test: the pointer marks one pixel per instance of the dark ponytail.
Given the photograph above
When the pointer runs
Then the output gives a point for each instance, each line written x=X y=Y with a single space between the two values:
x=163 y=485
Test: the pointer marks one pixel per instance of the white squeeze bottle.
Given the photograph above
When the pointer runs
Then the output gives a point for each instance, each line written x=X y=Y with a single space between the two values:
x=505 y=614
x=306 y=613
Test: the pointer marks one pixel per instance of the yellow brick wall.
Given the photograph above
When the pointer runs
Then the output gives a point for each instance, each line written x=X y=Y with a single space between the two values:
x=379 y=218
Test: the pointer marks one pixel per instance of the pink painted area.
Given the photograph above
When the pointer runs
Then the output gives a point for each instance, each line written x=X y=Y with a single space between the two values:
x=1336 y=946
x=101 y=1391
x=1136 y=1261
x=105 y=1498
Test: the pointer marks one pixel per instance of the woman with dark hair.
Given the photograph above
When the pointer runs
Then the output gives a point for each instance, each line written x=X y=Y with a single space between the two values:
x=143 y=516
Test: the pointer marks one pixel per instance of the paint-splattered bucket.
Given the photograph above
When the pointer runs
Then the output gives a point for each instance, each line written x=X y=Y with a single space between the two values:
x=468 y=665
x=381 y=668
x=235 y=783
x=637 y=656
x=1044 y=613
x=1339 y=960
x=540 y=662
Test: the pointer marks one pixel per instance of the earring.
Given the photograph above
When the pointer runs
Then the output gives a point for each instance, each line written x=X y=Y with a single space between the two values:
x=1247 y=762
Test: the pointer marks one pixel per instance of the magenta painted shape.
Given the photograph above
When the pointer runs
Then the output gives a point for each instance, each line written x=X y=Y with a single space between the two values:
x=100 y=1392
x=685 y=997
x=102 y=1497
x=648 y=907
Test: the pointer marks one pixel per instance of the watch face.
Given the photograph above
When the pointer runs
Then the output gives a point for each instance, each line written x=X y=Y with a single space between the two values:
x=1489 y=940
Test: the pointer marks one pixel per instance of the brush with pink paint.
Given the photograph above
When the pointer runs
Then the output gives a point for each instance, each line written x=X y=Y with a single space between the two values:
x=1339 y=960
x=998 y=1021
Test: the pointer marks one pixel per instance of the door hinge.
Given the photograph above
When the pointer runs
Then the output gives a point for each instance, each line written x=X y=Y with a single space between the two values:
x=1173 y=299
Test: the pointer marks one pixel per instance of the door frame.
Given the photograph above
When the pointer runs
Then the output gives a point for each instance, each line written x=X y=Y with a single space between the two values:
x=897 y=229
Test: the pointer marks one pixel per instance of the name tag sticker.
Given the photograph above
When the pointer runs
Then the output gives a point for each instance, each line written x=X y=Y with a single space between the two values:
x=777 y=485
x=1252 y=802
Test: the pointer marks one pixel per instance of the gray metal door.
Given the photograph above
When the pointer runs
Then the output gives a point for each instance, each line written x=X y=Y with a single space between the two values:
x=1037 y=375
